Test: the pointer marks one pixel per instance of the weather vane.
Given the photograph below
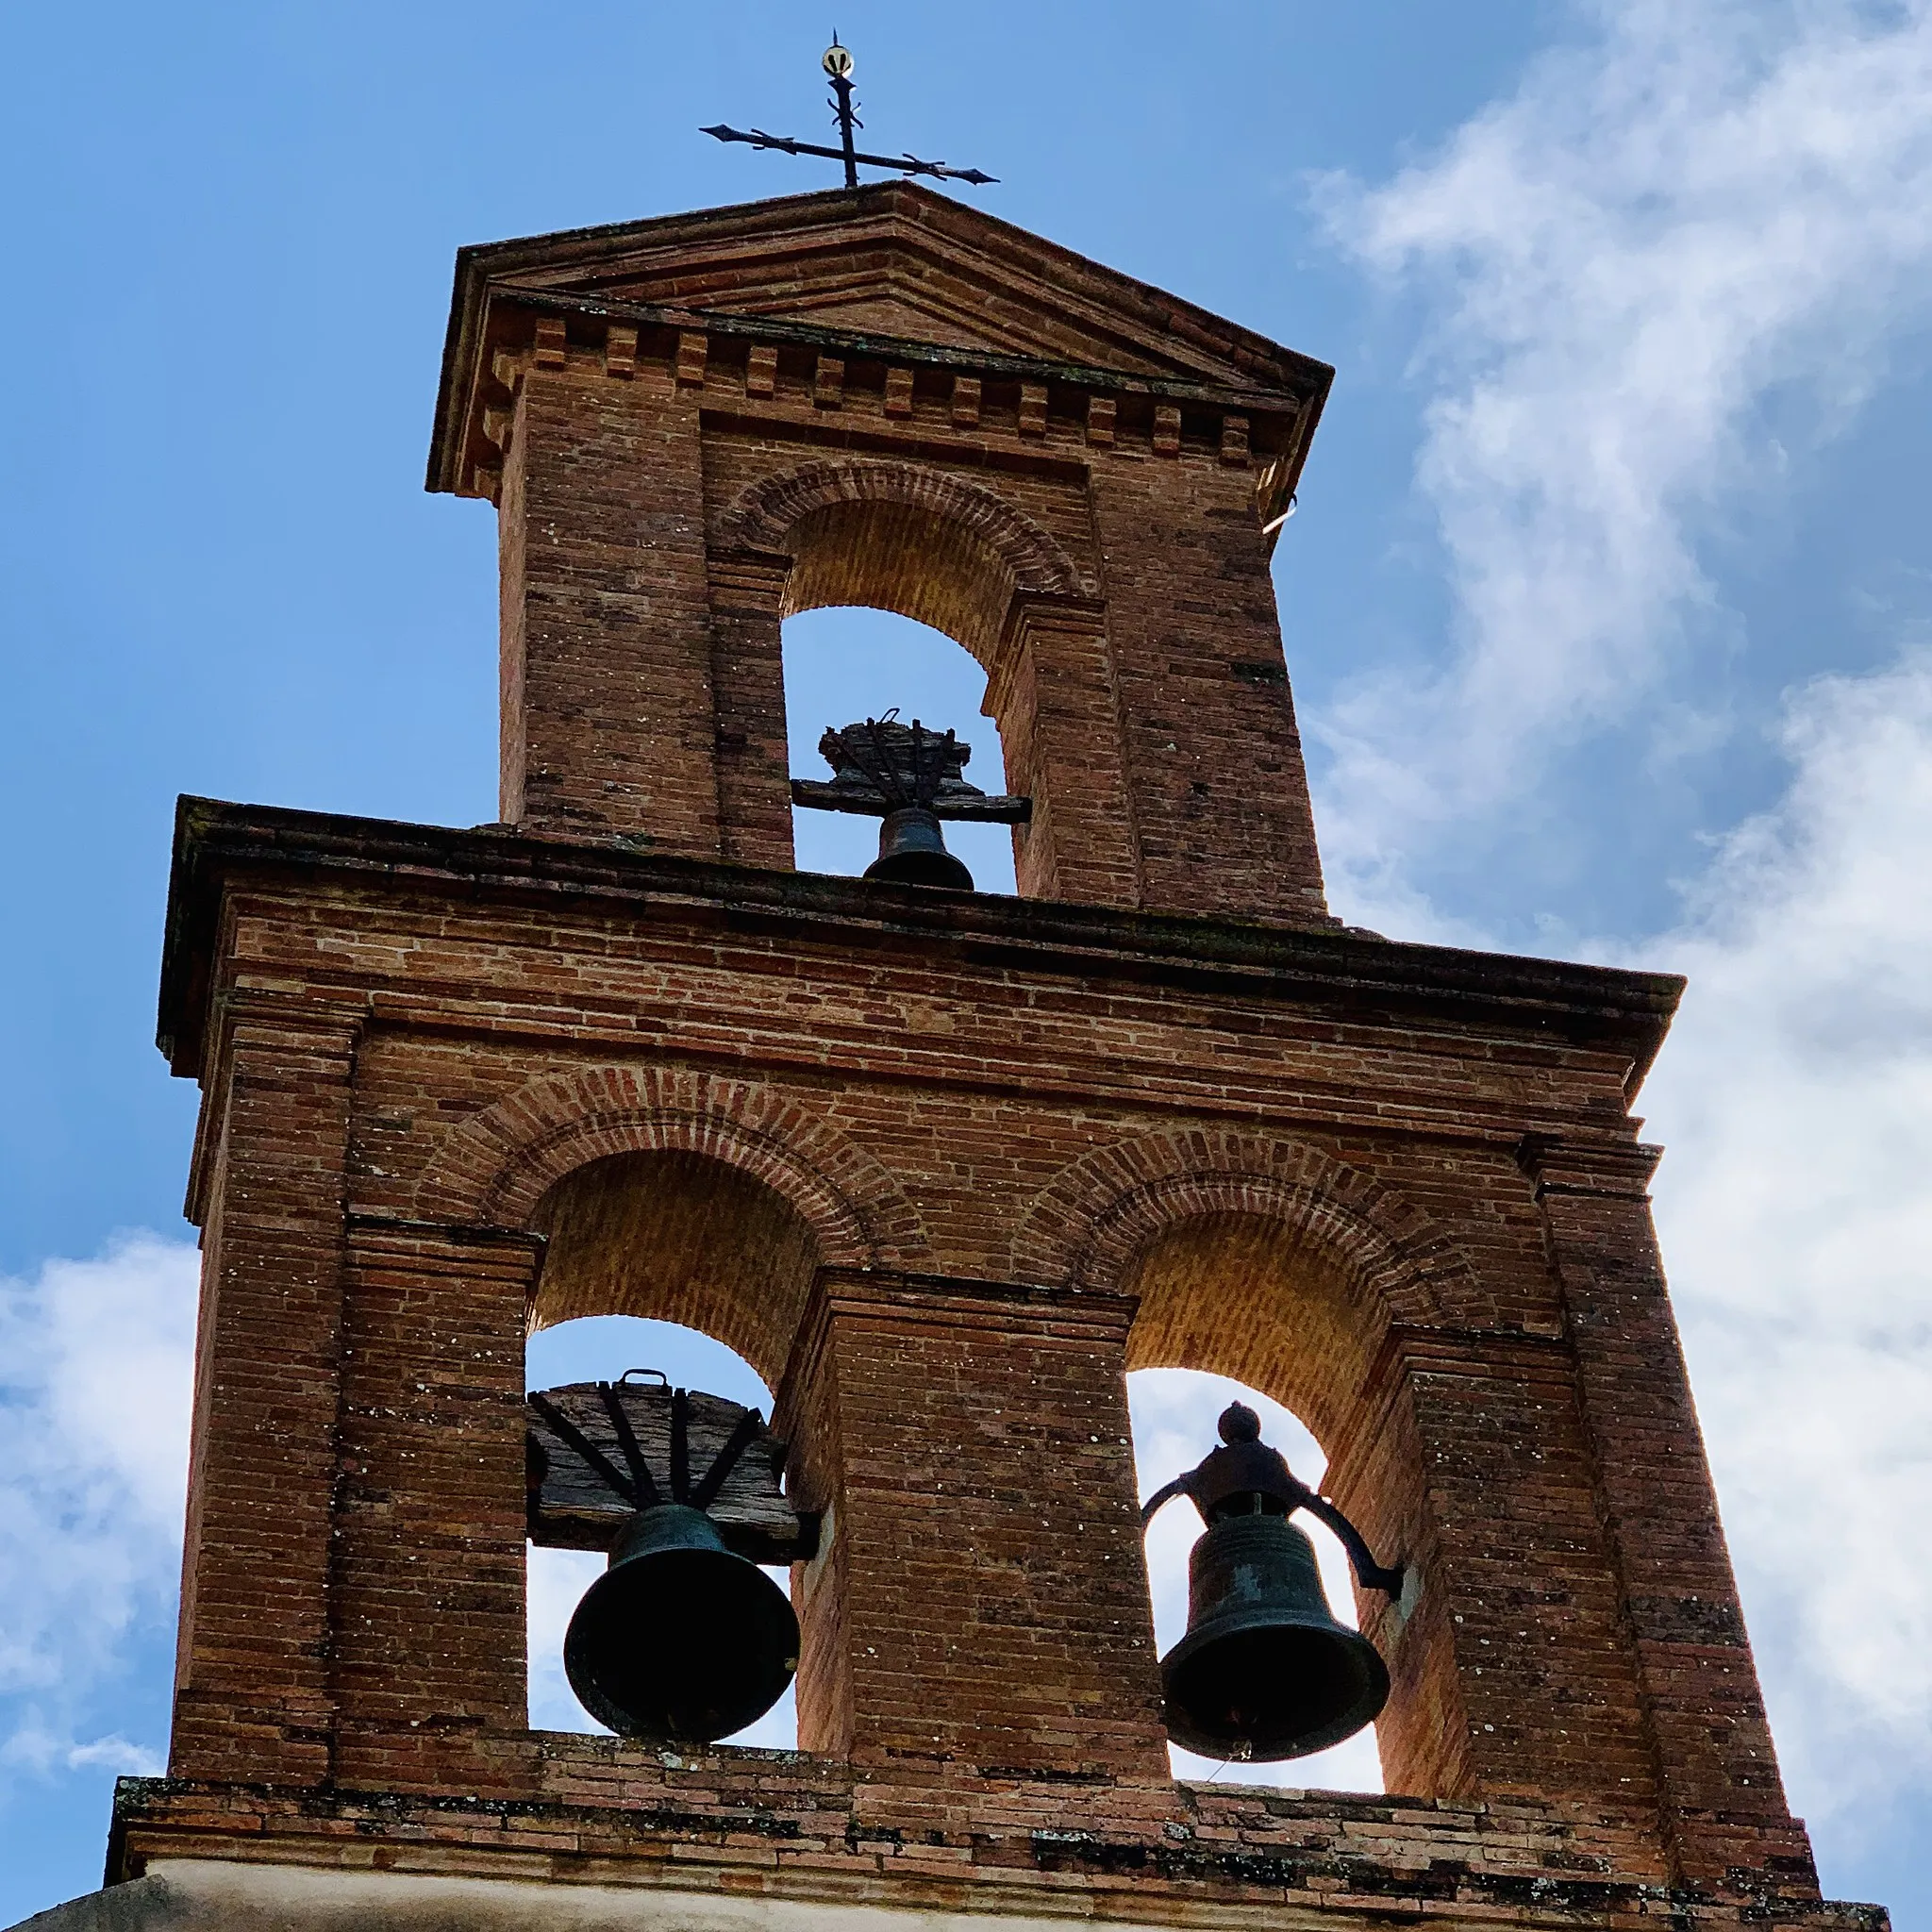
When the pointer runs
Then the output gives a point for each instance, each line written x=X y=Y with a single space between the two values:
x=838 y=66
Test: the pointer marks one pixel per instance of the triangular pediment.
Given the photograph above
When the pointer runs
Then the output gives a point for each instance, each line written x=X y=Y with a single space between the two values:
x=884 y=309
x=899 y=260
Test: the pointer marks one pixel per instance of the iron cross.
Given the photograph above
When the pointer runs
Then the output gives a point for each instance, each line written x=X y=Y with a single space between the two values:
x=838 y=66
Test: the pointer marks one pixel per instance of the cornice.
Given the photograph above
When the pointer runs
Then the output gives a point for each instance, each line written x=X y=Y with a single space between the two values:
x=219 y=847
x=509 y=274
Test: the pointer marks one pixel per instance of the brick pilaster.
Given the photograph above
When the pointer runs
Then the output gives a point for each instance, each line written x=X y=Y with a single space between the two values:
x=1510 y=1675
x=1721 y=1799
x=1212 y=753
x=748 y=686
x=251 y=1696
x=427 y=1585
x=1053 y=696
x=980 y=1605
x=609 y=718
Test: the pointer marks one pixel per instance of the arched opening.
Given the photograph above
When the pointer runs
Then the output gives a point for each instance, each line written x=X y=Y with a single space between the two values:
x=672 y=1261
x=673 y=1236
x=989 y=562
x=903 y=557
x=1173 y=1413
x=899 y=591
x=1269 y=1304
x=603 y=1348
x=1241 y=1305
x=849 y=661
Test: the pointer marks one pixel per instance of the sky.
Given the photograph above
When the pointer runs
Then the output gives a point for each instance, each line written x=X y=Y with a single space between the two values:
x=1608 y=604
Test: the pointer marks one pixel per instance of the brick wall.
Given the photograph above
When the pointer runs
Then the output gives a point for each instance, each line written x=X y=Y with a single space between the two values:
x=766 y=1826
x=251 y=1695
x=984 y=1606
x=606 y=643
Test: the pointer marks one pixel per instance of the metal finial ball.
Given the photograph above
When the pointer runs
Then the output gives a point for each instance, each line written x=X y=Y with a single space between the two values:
x=1240 y=1423
x=838 y=61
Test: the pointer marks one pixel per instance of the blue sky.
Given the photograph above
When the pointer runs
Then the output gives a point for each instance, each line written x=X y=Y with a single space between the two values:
x=1608 y=608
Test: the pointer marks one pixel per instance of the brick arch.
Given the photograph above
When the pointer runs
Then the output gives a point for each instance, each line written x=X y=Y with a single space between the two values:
x=1088 y=1225
x=765 y=514
x=793 y=513
x=496 y=1166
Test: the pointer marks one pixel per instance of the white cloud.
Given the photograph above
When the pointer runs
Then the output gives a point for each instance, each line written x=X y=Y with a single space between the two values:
x=1697 y=217
x=1702 y=205
x=95 y=1372
x=1795 y=1207
x=31 y=1748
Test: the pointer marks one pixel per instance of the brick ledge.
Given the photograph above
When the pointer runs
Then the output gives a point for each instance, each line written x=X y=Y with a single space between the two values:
x=1326 y=965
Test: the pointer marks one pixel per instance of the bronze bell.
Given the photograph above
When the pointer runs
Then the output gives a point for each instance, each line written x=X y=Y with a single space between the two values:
x=679 y=1638
x=911 y=778
x=1265 y=1671
x=682 y=1638
x=912 y=852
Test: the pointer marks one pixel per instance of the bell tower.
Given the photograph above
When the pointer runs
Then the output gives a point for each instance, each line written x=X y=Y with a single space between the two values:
x=942 y=1166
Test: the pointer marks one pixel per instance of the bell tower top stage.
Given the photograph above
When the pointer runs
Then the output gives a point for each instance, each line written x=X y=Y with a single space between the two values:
x=942 y=1166
x=695 y=427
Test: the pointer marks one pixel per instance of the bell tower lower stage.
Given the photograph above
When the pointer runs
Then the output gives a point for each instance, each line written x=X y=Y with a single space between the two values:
x=942 y=1167
x=1394 y=1184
